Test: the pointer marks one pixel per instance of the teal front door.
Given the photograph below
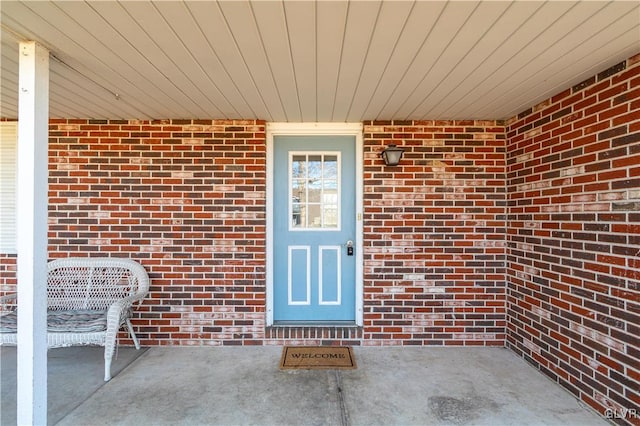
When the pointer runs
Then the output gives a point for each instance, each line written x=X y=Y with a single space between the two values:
x=314 y=219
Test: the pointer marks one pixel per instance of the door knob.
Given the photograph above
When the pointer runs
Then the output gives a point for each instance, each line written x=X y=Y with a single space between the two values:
x=349 y=248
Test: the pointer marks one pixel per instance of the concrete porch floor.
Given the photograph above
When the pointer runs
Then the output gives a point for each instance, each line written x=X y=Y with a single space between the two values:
x=243 y=385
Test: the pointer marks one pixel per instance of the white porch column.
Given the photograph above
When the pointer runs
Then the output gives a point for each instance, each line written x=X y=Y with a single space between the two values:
x=33 y=138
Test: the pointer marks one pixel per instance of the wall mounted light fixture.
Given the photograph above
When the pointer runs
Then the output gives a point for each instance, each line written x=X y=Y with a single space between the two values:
x=392 y=155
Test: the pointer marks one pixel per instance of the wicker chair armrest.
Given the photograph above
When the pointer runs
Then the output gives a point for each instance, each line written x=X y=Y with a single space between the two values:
x=119 y=311
x=8 y=297
x=9 y=302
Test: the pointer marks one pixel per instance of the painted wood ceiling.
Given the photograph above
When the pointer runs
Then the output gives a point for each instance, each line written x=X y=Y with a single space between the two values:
x=333 y=61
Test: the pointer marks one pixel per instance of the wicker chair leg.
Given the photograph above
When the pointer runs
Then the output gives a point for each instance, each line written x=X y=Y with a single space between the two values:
x=109 y=348
x=107 y=369
x=133 y=334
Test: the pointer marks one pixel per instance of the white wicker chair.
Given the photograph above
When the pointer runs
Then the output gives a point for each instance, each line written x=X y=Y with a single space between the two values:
x=88 y=301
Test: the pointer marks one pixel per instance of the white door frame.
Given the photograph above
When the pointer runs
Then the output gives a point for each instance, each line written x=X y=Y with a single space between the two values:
x=316 y=129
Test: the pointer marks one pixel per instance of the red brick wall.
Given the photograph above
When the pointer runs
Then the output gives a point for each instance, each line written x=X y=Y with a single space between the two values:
x=574 y=237
x=434 y=233
x=7 y=273
x=187 y=200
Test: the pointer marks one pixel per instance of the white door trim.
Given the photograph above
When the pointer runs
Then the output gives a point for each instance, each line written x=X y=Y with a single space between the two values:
x=317 y=129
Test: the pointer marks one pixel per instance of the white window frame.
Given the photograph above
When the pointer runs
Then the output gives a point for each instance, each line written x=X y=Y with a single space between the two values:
x=321 y=228
x=8 y=186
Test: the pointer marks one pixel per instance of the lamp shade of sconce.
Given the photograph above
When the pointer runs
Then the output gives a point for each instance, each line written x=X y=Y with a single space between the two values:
x=392 y=155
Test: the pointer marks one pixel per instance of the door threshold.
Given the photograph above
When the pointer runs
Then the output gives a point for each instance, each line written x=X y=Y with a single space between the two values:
x=318 y=324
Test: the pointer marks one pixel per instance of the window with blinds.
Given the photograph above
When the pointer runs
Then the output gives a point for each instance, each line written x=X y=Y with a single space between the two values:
x=8 y=170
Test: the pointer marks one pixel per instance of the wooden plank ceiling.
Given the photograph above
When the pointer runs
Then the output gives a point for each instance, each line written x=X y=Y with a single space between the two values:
x=312 y=61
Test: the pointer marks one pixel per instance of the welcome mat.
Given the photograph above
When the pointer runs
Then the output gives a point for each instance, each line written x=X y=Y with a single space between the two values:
x=317 y=357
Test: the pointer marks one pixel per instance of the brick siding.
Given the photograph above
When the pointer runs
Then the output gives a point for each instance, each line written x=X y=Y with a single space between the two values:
x=573 y=168
x=7 y=273
x=434 y=234
x=187 y=200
